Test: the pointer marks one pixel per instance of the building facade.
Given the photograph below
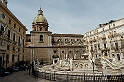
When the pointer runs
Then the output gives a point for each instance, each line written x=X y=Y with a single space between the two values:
x=107 y=42
x=44 y=45
x=12 y=37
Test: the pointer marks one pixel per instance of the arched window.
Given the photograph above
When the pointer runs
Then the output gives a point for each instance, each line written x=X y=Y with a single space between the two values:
x=40 y=29
x=41 y=38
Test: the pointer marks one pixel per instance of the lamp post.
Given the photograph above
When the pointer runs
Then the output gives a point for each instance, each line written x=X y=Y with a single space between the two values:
x=93 y=61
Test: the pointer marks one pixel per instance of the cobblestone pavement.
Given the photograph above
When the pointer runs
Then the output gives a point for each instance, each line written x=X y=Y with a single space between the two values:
x=21 y=76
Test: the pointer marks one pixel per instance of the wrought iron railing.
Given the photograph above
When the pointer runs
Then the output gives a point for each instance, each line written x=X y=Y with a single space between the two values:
x=82 y=77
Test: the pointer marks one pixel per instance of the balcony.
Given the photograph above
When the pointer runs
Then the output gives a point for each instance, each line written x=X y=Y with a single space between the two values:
x=14 y=42
x=9 y=40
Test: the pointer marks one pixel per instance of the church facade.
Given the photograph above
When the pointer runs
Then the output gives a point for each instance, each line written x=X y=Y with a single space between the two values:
x=105 y=43
x=43 y=45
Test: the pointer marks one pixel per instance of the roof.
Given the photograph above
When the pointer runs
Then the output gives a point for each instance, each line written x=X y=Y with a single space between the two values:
x=40 y=17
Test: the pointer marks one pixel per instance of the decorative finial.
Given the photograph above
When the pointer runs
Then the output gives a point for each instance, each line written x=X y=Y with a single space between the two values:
x=40 y=12
x=40 y=7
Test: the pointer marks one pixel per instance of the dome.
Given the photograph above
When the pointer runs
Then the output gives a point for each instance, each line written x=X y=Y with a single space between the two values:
x=40 y=17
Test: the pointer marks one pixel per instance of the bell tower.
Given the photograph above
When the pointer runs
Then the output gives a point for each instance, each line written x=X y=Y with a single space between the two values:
x=40 y=37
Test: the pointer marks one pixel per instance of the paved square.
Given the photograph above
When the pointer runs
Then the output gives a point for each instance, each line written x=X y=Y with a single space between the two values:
x=21 y=76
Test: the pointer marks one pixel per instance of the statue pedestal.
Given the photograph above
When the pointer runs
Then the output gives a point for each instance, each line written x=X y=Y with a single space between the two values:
x=104 y=68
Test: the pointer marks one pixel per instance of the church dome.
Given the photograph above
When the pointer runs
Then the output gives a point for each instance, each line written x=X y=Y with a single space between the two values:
x=40 y=18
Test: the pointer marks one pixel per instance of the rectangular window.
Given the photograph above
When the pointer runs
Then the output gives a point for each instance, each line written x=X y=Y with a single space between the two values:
x=12 y=58
x=116 y=46
x=70 y=51
x=40 y=29
x=91 y=48
x=14 y=25
x=19 y=40
x=104 y=45
x=95 y=47
x=41 y=38
x=19 y=29
x=118 y=56
x=9 y=34
x=122 y=44
x=9 y=21
x=23 y=57
x=23 y=43
x=14 y=37
x=23 y=33
x=8 y=47
x=98 y=45
x=7 y=58
x=18 y=49
x=1 y=30
x=23 y=50
x=18 y=57
x=13 y=48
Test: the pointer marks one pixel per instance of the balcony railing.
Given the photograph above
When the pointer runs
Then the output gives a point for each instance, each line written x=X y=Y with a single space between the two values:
x=9 y=40
x=113 y=66
x=14 y=42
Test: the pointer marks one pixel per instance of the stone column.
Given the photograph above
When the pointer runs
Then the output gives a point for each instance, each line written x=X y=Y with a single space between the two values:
x=66 y=56
x=71 y=64
x=104 y=68
x=75 y=56
x=60 y=63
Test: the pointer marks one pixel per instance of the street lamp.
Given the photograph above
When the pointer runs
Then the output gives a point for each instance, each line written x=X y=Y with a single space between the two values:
x=93 y=62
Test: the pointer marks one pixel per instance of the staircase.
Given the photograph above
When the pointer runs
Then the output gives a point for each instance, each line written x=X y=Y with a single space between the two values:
x=112 y=71
x=110 y=64
x=111 y=68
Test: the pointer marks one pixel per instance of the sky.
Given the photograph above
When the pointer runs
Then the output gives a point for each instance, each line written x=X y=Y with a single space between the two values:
x=68 y=16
